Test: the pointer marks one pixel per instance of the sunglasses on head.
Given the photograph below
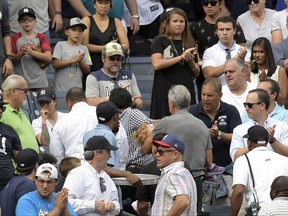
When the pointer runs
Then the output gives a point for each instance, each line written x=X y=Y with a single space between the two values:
x=250 y=105
x=212 y=3
x=249 y=2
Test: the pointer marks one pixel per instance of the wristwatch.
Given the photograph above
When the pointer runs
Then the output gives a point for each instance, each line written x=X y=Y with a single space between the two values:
x=10 y=57
x=135 y=16
x=219 y=135
x=273 y=140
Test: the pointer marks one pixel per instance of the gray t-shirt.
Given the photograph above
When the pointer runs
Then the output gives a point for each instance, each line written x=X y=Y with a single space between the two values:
x=99 y=84
x=193 y=132
x=71 y=76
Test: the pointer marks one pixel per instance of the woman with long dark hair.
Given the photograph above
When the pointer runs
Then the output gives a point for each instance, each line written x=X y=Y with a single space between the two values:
x=173 y=54
x=263 y=65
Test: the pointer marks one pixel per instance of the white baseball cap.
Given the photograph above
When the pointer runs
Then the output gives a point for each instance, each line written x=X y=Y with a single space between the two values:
x=49 y=168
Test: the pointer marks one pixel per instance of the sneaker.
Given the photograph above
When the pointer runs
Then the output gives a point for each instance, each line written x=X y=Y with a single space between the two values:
x=211 y=180
x=215 y=170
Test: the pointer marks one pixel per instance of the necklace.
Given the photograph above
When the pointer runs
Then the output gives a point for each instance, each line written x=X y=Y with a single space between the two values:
x=176 y=52
x=217 y=108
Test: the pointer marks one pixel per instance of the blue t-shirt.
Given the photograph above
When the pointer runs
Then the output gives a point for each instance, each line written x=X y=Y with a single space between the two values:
x=33 y=204
x=18 y=186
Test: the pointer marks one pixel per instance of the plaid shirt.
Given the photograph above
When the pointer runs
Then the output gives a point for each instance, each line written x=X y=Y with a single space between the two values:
x=132 y=119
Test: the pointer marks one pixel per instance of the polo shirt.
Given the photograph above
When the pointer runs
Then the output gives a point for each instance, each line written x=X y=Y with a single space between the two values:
x=228 y=118
x=18 y=120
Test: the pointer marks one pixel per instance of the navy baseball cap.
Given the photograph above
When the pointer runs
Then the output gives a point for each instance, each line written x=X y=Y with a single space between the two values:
x=171 y=140
x=46 y=94
x=106 y=110
x=26 y=11
x=257 y=134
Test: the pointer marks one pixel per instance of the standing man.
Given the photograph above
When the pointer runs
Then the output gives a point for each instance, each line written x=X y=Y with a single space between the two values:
x=44 y=200
x=100 y=83
x=15 y=91
x=237 y=87
x=274 y=110
x=265 y=166
x=220 y=118
x=176 y=190
x=203 y=32
x=22 y=182
x=6 y=58
x=215 y=56
x=256 y=105
x=91 y=190
x=68 y=132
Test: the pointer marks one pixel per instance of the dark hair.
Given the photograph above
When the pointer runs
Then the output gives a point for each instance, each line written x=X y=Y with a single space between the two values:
x=159 y=136
x=269 y=58
x=68 y=164
x=263 y=96
x=214 y=82
x=47 y=158
x=75 y=95
x=121 y=98
x=274 y=86
x=187 y=37
x=226 y=19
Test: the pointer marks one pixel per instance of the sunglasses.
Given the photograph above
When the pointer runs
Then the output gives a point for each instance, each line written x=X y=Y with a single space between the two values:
x=212 y=3
x=249 y=2
x=24 y=20
x=25 y=90
x=114 y=58
x=3 y=108
x=102 y=186
x=116 y=84
x=161 y=152
x=250 y=105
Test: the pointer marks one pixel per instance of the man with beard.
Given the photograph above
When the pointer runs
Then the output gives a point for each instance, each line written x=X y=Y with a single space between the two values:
x=100 y=83
x=15 y=91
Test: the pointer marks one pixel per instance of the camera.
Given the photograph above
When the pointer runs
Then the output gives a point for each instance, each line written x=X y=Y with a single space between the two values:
x=254 y=206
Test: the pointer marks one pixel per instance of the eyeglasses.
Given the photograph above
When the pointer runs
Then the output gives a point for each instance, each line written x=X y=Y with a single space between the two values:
x=249 y=2
x=30 y=19
x=102 y=186
x=250 y=105
x=25 y=90
x=212 y=3
x=114 y=58
x=3 y=108
x=161 y=152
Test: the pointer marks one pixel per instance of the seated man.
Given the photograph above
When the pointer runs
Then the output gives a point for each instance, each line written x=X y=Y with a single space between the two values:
x=44 y=200
x=100 y=83
x=279 y=196
x=91 y=190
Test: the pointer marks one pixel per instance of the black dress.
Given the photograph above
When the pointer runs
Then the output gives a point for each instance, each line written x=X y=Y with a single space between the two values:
x=165 y=78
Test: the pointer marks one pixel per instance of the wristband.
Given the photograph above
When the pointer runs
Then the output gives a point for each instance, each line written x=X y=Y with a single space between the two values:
x=58 y=12
x=10 y=57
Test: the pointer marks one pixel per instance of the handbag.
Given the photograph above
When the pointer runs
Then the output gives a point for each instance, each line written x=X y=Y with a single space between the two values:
x=254 y=206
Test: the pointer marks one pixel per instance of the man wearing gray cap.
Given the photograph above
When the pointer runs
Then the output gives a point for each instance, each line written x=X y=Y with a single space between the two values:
x=255 y=171
x=91 y=190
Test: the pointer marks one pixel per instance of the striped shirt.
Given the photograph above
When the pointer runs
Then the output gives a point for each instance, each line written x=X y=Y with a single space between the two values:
x=278 y=207
x=175 y=180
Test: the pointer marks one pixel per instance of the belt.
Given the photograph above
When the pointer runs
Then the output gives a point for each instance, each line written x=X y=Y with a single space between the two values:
x=134 y=166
